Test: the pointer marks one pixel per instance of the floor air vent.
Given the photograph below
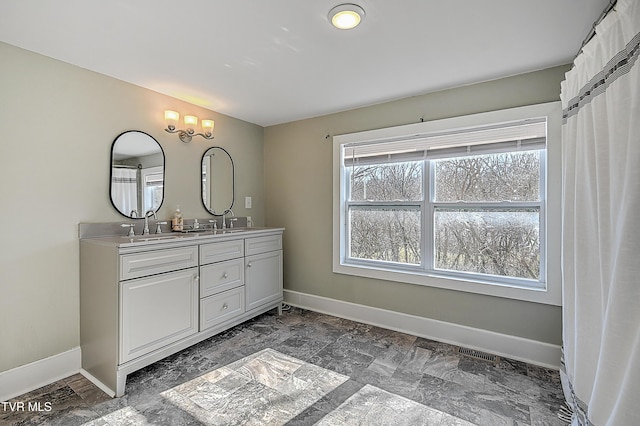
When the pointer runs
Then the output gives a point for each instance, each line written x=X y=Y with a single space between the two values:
x=478 y=355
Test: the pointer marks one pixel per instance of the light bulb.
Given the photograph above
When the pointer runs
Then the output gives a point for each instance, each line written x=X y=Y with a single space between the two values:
x=171 y=118
x=207 y=126
x=346 y=16
x=191 y=121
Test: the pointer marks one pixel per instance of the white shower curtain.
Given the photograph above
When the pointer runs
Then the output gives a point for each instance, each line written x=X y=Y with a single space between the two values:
x=601 y=224
x=124 y=189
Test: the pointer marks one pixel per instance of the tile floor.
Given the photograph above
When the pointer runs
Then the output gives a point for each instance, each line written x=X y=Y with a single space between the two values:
x=306 y=368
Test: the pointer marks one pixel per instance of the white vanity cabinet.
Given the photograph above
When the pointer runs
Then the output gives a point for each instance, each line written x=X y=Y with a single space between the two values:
x=263 y=277
x=144 y=299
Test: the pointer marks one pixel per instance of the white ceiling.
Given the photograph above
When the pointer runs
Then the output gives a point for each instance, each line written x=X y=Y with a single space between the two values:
x=274 y=61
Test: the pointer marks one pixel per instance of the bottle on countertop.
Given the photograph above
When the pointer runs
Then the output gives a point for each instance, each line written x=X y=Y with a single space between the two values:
x=177 y=223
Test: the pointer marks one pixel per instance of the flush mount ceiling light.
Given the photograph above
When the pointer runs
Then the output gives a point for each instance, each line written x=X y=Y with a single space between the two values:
x=346 y=16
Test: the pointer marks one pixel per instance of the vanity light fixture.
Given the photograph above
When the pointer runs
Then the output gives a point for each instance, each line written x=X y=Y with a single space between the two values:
x=346 y=16
x=191 y=122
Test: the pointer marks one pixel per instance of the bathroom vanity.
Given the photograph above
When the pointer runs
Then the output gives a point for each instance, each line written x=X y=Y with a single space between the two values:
x=146 y=297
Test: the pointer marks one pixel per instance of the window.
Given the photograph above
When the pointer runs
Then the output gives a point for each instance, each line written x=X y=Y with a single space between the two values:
x=486 y=214
x=153 y=178
x=463 y=205
x=385 y=212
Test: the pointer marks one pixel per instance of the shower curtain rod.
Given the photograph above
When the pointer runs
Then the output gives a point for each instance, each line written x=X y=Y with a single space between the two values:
x=592 y=32
x=124 y=166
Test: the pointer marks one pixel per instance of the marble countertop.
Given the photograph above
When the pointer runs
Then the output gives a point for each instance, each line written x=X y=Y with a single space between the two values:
x=124 y=241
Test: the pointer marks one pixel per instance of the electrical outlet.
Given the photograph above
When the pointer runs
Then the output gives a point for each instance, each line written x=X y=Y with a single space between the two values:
x=247 y=202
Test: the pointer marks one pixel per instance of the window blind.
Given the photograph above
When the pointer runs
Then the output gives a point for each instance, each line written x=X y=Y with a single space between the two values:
x=523 y=135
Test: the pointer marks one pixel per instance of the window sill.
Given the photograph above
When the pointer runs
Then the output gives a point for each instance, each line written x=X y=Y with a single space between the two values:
x=434 y=279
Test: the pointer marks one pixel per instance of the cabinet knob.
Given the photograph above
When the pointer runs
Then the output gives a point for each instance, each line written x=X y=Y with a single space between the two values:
x=225 y=275
x=249 y=265
x=225 y=307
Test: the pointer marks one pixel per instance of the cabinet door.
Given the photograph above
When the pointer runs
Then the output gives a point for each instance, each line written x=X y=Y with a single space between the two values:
x=263 y=279
x=156 y=311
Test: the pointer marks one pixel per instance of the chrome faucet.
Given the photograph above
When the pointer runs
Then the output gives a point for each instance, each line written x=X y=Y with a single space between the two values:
x=224 y=225
x=145 y=231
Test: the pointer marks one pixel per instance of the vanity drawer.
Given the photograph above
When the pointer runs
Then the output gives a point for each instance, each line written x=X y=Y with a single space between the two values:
x=221 y=276
x=221 y=307
x=157 y=262
x=262 y=244
x=217 y=252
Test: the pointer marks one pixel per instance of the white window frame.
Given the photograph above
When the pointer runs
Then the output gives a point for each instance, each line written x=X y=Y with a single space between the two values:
x=548 y=291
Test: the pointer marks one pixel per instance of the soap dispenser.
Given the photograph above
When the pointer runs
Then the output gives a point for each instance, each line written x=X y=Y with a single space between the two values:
x=177 y=223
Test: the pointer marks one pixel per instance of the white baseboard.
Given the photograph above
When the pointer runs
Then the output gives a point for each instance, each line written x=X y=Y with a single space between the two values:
x=514 y=347
x=39 y=373
x=26 y=378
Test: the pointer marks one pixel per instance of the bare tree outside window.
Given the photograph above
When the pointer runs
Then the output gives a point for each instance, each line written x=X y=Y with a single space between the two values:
x=486 y=213
x=389 y=233
x=489 y=239
x=511 y=176
x=387 y=182
x=495 y=242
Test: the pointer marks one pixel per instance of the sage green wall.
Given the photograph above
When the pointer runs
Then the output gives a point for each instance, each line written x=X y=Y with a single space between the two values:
x=298 y=176
x=58 y=122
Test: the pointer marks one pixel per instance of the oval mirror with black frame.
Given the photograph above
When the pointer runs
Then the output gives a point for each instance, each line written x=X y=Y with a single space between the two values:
x=137 y=174
x=217 y=181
